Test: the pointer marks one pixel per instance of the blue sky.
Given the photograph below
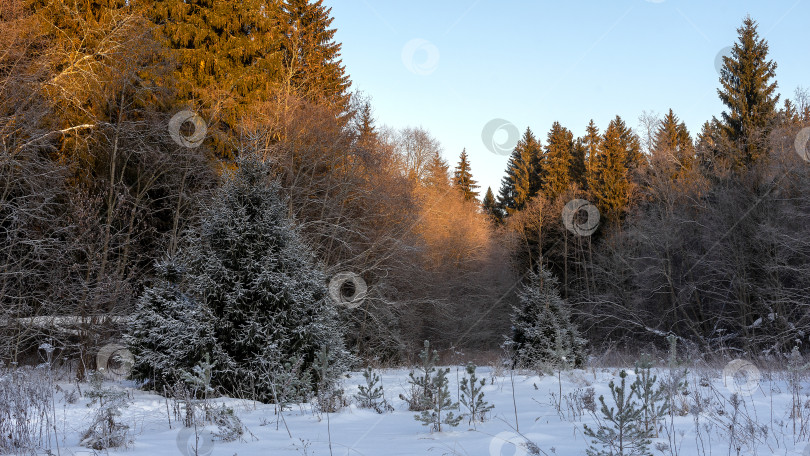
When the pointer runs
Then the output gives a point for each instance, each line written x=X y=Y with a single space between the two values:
x=452 y=66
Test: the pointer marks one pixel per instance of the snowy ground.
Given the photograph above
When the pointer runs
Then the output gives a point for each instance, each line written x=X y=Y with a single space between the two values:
x=357 y=431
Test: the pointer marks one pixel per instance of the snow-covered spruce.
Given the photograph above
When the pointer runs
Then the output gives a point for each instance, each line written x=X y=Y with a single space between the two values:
x=252 y=285
x=543 y=335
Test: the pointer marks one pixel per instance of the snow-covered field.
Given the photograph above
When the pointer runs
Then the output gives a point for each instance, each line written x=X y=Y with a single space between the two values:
x=763 y=420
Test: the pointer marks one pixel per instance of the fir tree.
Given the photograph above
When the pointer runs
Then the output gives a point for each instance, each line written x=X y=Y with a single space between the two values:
x=228 y=54
x=171 y=331
x=462 y=178
x=311 y=55
x=610 y=182
x=264 y=307
x=371 y=395
x=748 y=92
x=421 y=397
x=543 y=334
x=489 y=206
x=437 y=172
x=258 y=279
x=523 y=175
x=472 y=396
x=557 y=161
x=621 y=429
x=591 y=142
x=579 y=171
x=672 y=140
x=438 y=404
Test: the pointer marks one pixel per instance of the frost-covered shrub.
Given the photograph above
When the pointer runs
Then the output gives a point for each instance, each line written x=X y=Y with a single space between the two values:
x=26 y=407
x=253 y=287
x=106 y=431
x=543 y=334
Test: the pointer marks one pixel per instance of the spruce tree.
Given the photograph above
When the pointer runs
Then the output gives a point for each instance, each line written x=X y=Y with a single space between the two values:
x=437 y=172
x=171 y=331
x=311 y=55
x=609 y=181
x=672 y=139
x=523 y=175
x=557 y=161
x=749 y=94
x=228 y=54
x=490 y=207
x=463 y=180
x=591 y=142
x=579 y=171
x=543 y=334
x=257 y=277
x=264 y=306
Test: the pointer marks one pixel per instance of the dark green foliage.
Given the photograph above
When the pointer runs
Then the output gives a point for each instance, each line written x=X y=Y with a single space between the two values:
x=463 y=180
x=620 y=429
x=421 y=395
x=371 y=395
x=310 y=54
x=171 y=331
x=438 y=408
x=228 y=54
x=558 y=161
x=265 y=302
x=654 y=401
x=472 y=396
x=749 y=94
x=609 y=182
x=490 y=207
x=523 y=175
x=543 y=334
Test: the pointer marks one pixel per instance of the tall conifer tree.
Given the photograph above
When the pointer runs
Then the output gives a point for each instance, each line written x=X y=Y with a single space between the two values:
x=462 y=178
x=748 y=90
x=557 y=161
x=523 y=175
x=311 y=56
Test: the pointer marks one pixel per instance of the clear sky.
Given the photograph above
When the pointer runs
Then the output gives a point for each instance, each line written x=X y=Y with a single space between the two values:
x=452 y=66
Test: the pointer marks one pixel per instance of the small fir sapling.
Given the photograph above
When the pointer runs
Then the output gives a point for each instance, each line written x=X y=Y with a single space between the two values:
x=472 y=396
x=371 y=395
x=620 y=430
x=441 y=405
